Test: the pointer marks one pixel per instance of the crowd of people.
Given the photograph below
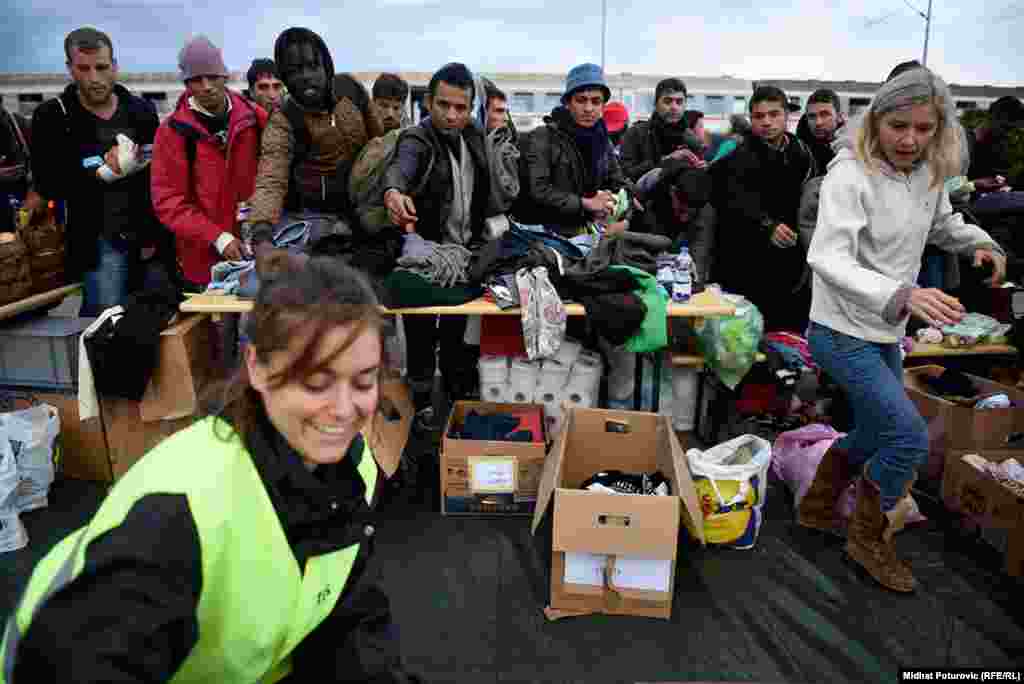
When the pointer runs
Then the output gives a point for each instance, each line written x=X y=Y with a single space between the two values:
x=828 y=231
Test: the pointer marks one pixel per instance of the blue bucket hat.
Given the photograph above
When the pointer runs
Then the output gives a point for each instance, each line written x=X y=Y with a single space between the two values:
x=585 y=76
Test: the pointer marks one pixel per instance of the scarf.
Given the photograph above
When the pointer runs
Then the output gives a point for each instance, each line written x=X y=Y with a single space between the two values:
x=668 y=136
x=592 y=143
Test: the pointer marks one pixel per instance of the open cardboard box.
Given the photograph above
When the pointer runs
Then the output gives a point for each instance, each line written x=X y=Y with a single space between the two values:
x=488 y=477
x=987 y=503
x=626 y=544
x=955 y=427
x=185 y=366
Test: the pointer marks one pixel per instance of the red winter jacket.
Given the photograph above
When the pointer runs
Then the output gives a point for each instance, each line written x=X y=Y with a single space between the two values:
x=199 y=204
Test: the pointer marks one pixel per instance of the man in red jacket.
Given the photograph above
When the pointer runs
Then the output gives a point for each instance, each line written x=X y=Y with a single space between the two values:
x=204 y=163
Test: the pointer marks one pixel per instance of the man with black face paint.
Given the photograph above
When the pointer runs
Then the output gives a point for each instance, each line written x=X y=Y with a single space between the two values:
x=450 y=208
x=309 y=146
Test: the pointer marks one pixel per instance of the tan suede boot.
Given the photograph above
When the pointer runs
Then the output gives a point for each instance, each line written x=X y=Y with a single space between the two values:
x=817 y=510
x=870 y=540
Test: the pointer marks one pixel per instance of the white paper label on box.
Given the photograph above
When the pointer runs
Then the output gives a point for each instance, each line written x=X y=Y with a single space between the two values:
x=642 y=573
x=492 y=474
x=585 y=568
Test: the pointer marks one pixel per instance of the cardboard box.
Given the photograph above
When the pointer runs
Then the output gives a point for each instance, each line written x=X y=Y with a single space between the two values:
x=987 y=503
x=388 y=429
x=129 y=437
x=185 y=366
x=83 y=450
x=482 y=477
x=954 y=427
x=627 y=544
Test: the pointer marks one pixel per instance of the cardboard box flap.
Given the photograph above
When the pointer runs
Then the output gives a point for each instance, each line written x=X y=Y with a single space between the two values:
x=616 y=524
x=388 y=429
x=693 y=517
x=552 y=473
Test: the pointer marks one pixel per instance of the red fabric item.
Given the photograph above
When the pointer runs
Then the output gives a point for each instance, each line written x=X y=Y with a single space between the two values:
x=616 y=116
x=199 y=204
x=756 y=399
x=502 y=336
x=530 y=418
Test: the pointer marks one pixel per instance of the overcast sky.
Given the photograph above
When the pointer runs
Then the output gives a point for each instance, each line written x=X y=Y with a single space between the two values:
x=972 y=42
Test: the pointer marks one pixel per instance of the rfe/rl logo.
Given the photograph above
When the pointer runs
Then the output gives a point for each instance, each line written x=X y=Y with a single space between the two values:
x=322 y=595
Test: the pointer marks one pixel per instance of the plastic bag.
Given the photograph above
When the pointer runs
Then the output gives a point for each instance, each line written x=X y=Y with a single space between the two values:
x=795 y=459
x=13 y=535
x=32 y=434
x=543 y=314
x=731 y=482
x=729 y=343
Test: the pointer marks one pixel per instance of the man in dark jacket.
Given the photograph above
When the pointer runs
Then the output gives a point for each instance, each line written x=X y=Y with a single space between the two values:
x=91 y=148
x=756 y=191
x=817 y=127
x=570 y=172
x=447 y=206
x=647 y=143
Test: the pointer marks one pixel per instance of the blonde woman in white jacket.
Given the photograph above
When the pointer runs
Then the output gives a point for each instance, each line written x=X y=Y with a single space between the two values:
x=881 y=203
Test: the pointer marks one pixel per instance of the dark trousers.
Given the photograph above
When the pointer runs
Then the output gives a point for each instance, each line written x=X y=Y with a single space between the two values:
x=423 y=334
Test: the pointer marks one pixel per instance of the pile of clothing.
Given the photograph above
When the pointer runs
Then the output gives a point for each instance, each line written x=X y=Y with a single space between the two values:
x=973 y=329
x=615 y=282
x=517 y=426
x=618 y=482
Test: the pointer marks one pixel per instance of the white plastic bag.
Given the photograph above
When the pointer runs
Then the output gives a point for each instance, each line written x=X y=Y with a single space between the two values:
x=12 y=532
x=732 y=482
x=32 y=434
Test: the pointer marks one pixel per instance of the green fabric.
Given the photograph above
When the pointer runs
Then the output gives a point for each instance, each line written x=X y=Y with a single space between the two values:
x=255 y=605
x=403 y=289
x=725 y=149
x=653 y=334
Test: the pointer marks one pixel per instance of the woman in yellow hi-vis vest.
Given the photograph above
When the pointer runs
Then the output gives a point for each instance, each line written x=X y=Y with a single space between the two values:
x=235 y=551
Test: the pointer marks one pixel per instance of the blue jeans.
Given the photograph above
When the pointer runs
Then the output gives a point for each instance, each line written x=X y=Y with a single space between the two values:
x=119 y=273
x=887 y=428
x=933 y=268
x=108 y=283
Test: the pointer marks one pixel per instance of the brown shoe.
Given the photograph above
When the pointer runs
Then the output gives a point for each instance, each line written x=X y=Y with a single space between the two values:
x=817 y=510
x=870 y=540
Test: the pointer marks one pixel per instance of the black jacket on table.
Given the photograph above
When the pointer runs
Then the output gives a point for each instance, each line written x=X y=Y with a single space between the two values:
x=415 y=148
x=66 y=144
x=133 y=608
x=554 y=179
x=754 y=189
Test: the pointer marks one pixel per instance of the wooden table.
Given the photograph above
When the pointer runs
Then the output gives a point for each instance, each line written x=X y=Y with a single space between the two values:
x=705 y=304
x=925 y=351
x=37 y=300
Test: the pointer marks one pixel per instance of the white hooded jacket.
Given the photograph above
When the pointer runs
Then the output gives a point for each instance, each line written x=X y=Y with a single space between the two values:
x=866 y=251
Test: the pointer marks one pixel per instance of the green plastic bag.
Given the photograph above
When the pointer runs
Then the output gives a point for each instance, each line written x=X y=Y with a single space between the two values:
x=729 y=343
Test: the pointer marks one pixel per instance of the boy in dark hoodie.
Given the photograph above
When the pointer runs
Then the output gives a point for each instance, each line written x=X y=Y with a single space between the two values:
x=817 y=127
x=648 y=143
x=756 y=192
x=308 y=147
